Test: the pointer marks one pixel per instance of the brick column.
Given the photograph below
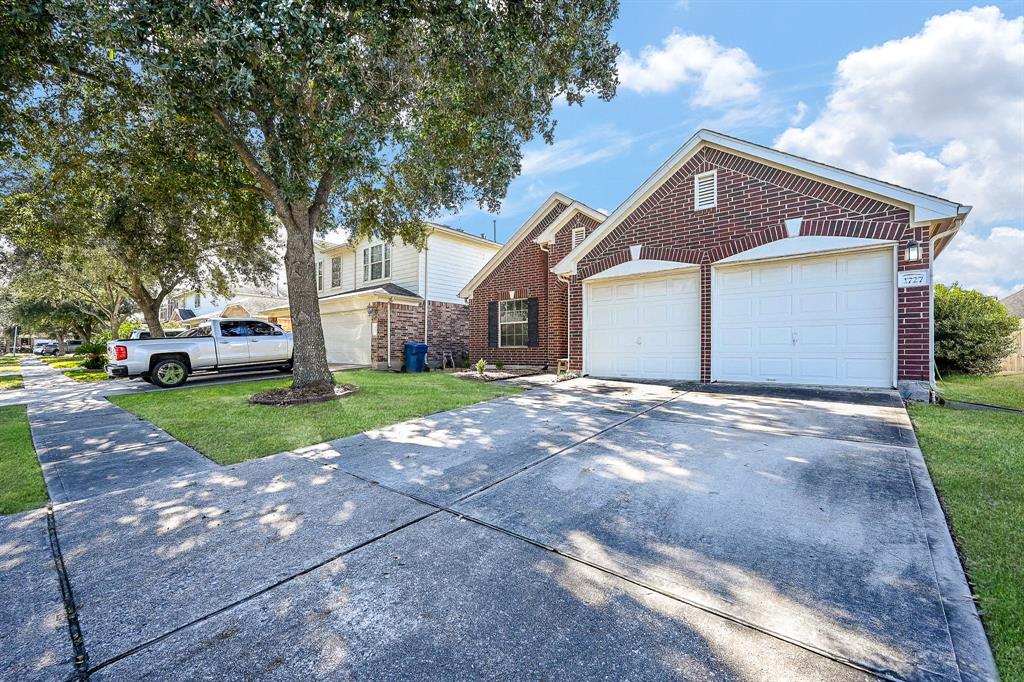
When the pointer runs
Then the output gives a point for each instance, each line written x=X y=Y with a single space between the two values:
x=705 y=322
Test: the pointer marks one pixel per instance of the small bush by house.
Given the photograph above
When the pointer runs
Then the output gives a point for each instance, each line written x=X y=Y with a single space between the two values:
x=973 y=332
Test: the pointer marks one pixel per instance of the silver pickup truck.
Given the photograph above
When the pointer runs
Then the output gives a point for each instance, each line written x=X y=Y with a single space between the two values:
x=218 y=345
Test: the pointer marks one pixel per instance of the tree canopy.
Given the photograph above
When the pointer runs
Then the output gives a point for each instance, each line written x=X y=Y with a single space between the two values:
x=369 y=114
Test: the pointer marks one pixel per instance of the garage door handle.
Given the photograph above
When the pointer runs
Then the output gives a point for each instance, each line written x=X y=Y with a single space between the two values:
x=795 y=338
x=639 y=341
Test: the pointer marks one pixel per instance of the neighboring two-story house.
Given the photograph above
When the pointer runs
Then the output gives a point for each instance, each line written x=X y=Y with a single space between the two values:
x=192 y=307
x=375 y=296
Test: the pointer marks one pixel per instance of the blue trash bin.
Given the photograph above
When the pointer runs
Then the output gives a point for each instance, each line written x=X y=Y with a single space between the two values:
x=415 y=356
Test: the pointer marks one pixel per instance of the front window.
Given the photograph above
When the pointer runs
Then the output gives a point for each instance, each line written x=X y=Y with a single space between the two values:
x=196 y=301
x=336 y=271
x=320 y=275
x=376 y=262
x=513 y=323
x=263 y=329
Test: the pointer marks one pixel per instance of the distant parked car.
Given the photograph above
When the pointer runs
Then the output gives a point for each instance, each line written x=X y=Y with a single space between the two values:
x=41 y=344
x=53 y=347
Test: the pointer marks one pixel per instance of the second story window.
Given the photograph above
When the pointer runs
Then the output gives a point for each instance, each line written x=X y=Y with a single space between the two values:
x=336 y=271
x=376 y=262
x=320 y=275
x=197 y=298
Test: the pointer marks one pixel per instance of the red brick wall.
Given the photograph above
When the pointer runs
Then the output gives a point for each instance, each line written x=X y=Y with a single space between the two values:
x=555 y=339
x=754 y=200
x=448 y=329
x=525 y=271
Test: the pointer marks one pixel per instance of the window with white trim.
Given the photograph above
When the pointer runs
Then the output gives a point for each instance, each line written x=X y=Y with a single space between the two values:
x=705 y=190
x=578 y=233
x=198 y=299
x=320 y=275
x=513 y=323
x=376 y=262
x=336 y=271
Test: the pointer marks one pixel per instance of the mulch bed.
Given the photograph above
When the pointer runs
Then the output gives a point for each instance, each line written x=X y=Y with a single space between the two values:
x=283 y=397
x=495 y=374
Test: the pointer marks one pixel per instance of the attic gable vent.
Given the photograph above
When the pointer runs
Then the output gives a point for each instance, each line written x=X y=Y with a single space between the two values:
x=705 y=190
x=578 y=233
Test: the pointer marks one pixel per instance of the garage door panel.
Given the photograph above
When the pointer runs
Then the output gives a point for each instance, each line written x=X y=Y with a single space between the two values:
x=347 y=337
x=645 y=328
x=775 y=305
x=830 y=323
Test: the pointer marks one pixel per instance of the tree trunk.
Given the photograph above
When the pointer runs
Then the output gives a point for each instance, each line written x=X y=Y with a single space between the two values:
x=115 y=325
x=149 y=306
x=310 y=370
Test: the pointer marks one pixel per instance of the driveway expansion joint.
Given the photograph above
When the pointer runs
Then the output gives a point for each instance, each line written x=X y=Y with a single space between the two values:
x=81 y=655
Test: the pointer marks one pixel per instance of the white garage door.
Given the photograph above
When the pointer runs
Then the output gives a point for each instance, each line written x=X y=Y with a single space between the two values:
x=647 y=328
x=347 y=336
x=812 y=320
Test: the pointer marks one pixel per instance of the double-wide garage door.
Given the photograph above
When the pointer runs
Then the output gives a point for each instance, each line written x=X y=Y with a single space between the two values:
x=825 y=320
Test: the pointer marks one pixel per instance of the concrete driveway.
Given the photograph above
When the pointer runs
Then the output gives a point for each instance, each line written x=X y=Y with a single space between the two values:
x=589 y=530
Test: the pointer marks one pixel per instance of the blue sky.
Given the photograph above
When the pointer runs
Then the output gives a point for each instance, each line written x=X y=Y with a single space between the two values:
x=926 y=94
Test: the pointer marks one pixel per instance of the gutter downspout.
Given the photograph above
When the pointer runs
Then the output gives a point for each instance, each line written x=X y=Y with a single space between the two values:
x=426 y=300
x=568 y=317
x=389 y=333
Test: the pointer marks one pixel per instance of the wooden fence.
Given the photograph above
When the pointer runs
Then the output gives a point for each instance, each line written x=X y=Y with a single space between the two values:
x=1014 y=362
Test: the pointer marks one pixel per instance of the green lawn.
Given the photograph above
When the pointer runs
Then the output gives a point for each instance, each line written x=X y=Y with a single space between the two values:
x=86 y=375
x=1004 y=391
x=9 y=362
x=219 y=422
x=9 y=382
x=65 y=363
x=976 y=460
x=21 y=481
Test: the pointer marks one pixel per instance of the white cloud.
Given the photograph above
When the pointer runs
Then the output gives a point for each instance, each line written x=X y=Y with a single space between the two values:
x=798 y=115
x=573 y=152
x=940 y=111
x=722 y=75
x=990 y=264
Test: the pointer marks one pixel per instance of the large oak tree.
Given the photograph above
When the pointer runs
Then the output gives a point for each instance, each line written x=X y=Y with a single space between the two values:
x=373 y=113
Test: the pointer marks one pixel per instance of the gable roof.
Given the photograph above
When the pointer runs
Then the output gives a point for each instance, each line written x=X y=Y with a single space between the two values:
x=435 y=228
x=576 y=207
x=510 y=245
x=1015 y=303
x=923 y=207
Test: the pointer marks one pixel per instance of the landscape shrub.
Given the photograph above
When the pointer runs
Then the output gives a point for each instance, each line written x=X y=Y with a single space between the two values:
x=95 y=354
x=973 y=332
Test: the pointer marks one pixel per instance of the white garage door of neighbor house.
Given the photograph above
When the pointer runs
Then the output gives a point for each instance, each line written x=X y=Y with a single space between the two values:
x=811 y=320
x=644 y=328
x=347 y=336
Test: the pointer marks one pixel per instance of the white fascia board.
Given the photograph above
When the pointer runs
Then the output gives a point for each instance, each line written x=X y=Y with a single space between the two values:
x=640 y=267
x=799 y=246
x=549 y=233
x=556 y=197
x=924 y=208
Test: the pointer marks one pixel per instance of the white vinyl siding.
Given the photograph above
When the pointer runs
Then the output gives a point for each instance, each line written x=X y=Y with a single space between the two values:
x=824 y=320
x=705 y=190
x=451 y=263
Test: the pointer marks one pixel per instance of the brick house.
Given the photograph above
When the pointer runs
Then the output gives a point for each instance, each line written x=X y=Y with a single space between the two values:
x=375 y=296
x=733 y=262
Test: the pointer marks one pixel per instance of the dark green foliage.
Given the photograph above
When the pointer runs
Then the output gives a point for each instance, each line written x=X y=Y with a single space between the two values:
x=973 y=332
x=95 y=354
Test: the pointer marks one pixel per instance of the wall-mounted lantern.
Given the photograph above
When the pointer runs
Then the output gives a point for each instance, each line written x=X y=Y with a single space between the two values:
x=913 y=252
